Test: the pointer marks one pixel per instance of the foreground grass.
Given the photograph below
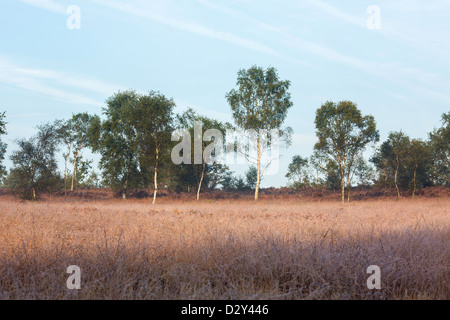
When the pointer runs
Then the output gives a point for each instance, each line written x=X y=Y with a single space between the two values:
x=225 y=250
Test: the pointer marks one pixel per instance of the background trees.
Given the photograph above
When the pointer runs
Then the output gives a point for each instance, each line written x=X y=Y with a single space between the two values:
x=212 y=174
x=343 y=134
x=298 y=172
x=318 y=163
x=76 y=134
x=439 y=141
x=251 y=177
x=404 y=163
x=260 y=103
x=34 y=164
x=115 y=140
x=134 y=143
x=390 y=159
x=152 y=120
x=418 y=161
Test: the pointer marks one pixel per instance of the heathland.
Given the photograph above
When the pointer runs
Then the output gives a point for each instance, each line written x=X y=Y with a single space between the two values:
x=289 y=248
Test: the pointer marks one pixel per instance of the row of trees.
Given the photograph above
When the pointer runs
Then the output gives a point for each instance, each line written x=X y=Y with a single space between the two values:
x=136 y=145
x=399 y=162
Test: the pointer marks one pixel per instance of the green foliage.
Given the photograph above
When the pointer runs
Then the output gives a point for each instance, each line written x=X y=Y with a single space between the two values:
x=92 y=181
x=82 y=172
x=76 y=134
x=318 y=161
x=404 y=162
x=2 y=123
x=217 y=174
x=390 y=160
x=364 y=172
x=261 y=102
x=251 y=177
x=298 y=172
x=134 y=140
x=333 y=175
x=34 y=164
x=115 y=140
x=231 y=183
x=418 y=162
x=344 y=133
x=209 y=175
x=439 y=141
x=153 y=122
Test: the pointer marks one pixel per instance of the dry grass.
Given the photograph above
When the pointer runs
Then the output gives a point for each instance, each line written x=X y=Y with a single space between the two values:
x=225 y=249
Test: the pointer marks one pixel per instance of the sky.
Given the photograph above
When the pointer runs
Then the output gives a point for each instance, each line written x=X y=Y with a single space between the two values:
x=392 y=58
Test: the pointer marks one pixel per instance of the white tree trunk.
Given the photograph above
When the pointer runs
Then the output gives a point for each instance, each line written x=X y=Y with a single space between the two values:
x=396 y=174
x=156 y=176
x=201 y=181
x=65 y=168
x=258 y=176
x=342 y=184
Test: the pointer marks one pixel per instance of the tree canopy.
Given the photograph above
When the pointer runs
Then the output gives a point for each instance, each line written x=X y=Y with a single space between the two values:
x=343 y=133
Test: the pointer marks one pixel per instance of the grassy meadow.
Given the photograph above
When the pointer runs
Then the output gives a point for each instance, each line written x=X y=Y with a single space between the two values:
x=278 y=249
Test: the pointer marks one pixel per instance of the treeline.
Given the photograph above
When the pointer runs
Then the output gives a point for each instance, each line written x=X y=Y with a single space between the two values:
x=400 y=162
x=136 y=146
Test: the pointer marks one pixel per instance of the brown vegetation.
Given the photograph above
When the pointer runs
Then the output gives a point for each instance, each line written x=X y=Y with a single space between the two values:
x=285 y=249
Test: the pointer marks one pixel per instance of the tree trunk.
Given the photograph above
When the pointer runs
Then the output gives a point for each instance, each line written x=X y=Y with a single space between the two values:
x=65 y=168
x=34 y=193
x=201 y=180
x=258 y=180
x=156 y=176
x=415 y=186
x=317 y=185
x=395 y=178
x=125 y=187
x=386 y=179
x=342 y=181
x=74 y=169
x=349 y=188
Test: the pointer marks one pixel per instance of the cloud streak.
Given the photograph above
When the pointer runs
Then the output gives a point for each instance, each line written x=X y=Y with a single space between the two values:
x=411 y=78
x=403 y=28
x=48 y=5
x=69 y=88
x=159 y=15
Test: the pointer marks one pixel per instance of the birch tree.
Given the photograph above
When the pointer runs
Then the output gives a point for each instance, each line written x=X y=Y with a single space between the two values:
x=419 y=160
x=260 y=103
x=343 y=134
x=76 y=137
x=153 y=123
x=187 y=121
x=115 y=140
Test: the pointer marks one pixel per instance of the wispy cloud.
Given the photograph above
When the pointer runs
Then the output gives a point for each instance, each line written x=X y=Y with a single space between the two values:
x=399 y=22
x=154 y=11
x=49 y=5
x=411 y=78
x=70 y=88
x=334 y=11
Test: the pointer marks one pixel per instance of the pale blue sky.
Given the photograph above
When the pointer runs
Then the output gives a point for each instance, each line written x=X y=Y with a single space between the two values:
x=192 y=51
